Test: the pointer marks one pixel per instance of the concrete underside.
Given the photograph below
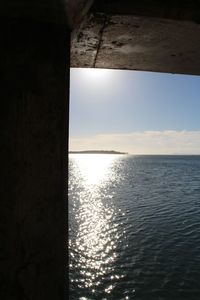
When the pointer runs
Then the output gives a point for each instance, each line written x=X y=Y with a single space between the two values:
x=137 y=43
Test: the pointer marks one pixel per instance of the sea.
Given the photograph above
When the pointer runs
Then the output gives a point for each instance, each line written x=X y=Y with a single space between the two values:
x=134 y=227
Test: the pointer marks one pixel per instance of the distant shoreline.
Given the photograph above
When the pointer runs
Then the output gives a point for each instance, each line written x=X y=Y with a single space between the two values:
x=97 y=152
x=125 y=153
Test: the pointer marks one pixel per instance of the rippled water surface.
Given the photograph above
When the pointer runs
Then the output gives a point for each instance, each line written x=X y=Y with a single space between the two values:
x=134 y=227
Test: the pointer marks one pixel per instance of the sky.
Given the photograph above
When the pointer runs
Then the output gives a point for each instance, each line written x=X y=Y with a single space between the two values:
x=133 y=111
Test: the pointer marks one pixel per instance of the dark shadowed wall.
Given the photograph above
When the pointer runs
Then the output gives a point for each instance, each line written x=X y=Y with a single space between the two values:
x=34 y=120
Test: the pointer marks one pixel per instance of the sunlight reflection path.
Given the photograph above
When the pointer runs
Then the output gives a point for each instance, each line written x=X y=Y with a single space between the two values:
x=97 y=234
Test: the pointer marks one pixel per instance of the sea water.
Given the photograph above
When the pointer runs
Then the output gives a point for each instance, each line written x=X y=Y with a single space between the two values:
x=134 y=227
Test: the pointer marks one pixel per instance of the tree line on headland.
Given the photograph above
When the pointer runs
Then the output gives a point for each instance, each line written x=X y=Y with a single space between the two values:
x=97 y=152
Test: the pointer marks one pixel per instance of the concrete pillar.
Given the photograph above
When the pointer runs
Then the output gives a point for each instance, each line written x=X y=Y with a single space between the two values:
x=33 y=158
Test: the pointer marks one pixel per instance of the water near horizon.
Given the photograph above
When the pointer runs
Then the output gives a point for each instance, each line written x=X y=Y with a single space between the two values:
x=134 y=227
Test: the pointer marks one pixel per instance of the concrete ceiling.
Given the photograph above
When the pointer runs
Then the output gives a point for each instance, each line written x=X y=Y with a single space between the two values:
x=151 y=35
x=163 y=36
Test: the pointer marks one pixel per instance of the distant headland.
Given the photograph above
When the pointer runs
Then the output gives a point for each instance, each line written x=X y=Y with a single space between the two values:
x=97 y=152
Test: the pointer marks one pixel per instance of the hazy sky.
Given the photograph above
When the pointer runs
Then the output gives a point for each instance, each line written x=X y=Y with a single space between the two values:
x=133 y=111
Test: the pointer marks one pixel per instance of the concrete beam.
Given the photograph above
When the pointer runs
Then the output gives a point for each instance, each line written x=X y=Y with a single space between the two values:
x=137 y=43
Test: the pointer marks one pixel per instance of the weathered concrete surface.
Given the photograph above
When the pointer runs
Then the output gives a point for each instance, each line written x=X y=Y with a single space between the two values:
x=34 y=60
x=85 y=41
x=137 y=43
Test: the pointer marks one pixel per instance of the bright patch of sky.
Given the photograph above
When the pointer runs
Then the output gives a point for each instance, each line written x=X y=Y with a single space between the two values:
x=133 y=111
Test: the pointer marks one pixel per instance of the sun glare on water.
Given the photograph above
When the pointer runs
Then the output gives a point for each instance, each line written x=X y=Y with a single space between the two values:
x=94 y=168
x=96 y=237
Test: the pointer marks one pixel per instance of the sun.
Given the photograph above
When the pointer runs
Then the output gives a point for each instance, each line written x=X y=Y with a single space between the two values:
x=95 y=72
x=95 y=75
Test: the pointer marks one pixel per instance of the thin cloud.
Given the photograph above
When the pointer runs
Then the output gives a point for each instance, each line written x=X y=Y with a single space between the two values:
x=142 y=142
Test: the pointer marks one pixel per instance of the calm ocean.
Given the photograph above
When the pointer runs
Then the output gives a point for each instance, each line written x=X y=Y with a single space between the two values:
x=134 y=227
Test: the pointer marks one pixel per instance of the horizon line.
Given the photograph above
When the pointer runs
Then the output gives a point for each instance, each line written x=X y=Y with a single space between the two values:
x=127 y=153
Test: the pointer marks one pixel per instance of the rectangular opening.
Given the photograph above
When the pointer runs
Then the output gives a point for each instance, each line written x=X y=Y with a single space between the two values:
x=134 y=229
